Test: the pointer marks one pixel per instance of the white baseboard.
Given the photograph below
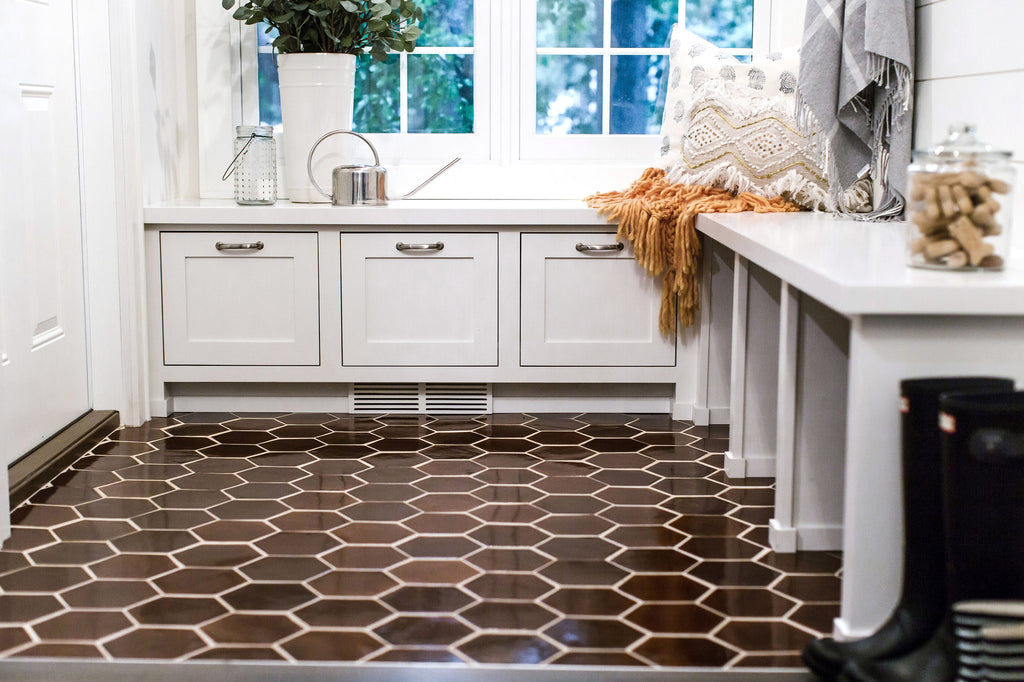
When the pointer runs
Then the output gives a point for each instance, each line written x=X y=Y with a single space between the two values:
x=161 y=408
x=582 y=404
x=789 y=539
x=704 y=416
x=261 y=403
x=682 y=411
x=738 y=466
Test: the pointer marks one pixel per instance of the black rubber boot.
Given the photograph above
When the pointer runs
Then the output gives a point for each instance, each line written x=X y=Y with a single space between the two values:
x=983 y=483
x=922 y=604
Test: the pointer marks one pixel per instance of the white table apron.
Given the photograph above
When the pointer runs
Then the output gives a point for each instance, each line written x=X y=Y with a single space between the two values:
x=826 y=320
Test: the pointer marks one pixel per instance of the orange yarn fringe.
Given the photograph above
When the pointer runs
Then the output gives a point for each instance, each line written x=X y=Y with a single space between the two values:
x=657 y=216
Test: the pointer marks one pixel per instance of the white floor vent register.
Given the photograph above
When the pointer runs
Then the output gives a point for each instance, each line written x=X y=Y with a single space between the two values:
x=429 y=398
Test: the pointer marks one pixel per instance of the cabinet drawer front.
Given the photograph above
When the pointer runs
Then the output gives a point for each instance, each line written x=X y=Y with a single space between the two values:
x=419 y=299
x=591 y=307
x=240 y=298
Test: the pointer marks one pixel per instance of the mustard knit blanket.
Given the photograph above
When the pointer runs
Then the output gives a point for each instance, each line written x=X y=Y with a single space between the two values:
x=657 y=217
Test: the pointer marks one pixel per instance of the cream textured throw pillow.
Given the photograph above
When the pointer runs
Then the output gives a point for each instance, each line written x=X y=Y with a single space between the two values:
x=692 y=61
x=744 y=142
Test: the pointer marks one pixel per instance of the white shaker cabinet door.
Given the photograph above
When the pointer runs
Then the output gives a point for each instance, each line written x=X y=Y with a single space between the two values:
x=586 y=302
x=240 y=298
x=419 y=299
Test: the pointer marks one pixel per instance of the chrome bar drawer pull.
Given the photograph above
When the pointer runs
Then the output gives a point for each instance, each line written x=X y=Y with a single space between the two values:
x=617 y=246
x=436 y=246
x=244 y=246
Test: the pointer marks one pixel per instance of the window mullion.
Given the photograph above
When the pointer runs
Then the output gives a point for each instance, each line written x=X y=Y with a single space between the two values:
x=606 y=71
x=403 y=93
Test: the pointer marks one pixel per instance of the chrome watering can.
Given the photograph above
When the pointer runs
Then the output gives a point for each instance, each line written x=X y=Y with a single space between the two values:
x=360 y=184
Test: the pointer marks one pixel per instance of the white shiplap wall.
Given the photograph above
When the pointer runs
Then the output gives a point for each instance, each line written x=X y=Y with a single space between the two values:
x=970 y=67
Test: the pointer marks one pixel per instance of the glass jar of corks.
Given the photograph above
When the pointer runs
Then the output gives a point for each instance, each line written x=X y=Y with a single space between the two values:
x=958 y=216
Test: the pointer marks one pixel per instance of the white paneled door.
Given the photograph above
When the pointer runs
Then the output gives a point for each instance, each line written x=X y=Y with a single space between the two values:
x=43 y=364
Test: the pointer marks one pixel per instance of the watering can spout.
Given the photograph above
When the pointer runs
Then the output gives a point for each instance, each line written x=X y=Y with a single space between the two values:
x=431 y=178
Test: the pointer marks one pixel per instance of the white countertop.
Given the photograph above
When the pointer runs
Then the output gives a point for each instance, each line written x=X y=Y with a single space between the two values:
x=397 y=213
x=860 y=268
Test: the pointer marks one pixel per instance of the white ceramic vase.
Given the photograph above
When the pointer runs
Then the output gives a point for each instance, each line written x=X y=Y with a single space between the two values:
x=316 y=97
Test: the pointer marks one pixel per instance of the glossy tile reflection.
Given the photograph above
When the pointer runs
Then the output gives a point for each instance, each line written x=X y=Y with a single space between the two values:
x=569 y=539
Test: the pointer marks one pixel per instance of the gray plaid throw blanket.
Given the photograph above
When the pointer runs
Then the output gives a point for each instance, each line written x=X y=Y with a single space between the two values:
x=856 y=81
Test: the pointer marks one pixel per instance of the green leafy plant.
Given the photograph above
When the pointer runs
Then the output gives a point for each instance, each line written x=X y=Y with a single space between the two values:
x=375 y=27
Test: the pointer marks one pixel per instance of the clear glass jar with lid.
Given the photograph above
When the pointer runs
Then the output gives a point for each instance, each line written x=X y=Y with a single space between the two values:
x=958 y=217
x=254 y=165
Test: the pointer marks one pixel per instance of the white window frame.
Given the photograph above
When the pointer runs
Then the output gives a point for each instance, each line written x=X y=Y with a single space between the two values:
x=503 y=158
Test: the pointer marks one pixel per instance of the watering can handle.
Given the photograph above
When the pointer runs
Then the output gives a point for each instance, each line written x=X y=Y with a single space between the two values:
x=309 y=159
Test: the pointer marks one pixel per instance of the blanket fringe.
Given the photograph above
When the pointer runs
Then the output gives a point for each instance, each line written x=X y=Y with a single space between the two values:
x=658 y=218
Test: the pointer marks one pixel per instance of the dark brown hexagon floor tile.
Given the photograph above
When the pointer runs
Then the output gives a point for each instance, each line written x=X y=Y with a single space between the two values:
x=513 y=649
x=261 y=491
x=505 y=431
x=506 y=494
x=21 y=608
x=331 y=646
x=95 y=463
x=403 y=431
x=655 y=588
x=352 y=422
x=453 y=438
x=362 y=556
x=238 y=653
x=299 y=431
x=505 y=445
x=561 y=468
x=764 y=636
x=13 y=637
x=769 y=661
x=42 y=516
x=59 y=650
x=566 y=485
x=721 y=548
x=30 y=538
x=589 y=633
x=379 y=511
x=734 y=573
x=638 y=516
x=422 y=631
x=418 y=655
x=698 y=505
x=12 y=561
x=680 y=619
x=371 y=533
x=558 y=438
x=268 y=597
x=385 y=492
x=43 y=579
x=194 y=429
x=91 y=529
x=168 y=457
x=604 y=659
x=286 y=568
x=421 y=599
x=759 y=535
x=341 y=452
x=71 y=553
x=65 y=495
x=243 y=437
x=447 y=484
x=177 y=611
x=217 y=465
x=108 y=594
x=248 y=509
x=508 y=513
x=353 y=583
x=223 y=555
x=306 y=418
x=154 y=643
x=393 y=475
x=689 y=486
x=233 y=531
x=319 y=501
x=685 y=652
x=563 y=453
x=198 y=581
x=803 y=562
x=139 y=566
x=751 y=497
x=748 y=603
x=296 y=543
x=451 y=452
x=555 y=422
x=164 y=541
x=572 y=601
x=207 y=481
x=317 y=521
x=153 y=472
x=249 y=628
x=435 y=572
x=571 y=572
x=507 y=460
x=343 y=613
x=625 y=477
x=810 y=588
x=116 y=508
x=509 y=586
x=579 y=548
x=289 y=445
x=574 y=524
x=151 y=430
x=618 y=460
x=121 y=448
x=681 y=469
x=82 y=625
x=252 y=424
x=631 y=496
x=501 y=615
x=173 y=519
x=442 y=523
x=146 y=489
x=571 y=504
x=491 y=559
x=238 y=450
x=452 y=467
x=281 y=459
x=645 y=536
x=439 y=546
x=347 y=438
x=499 y=535
x=817 y=617
x=399 y=445
x=507 y=476
x=720 y=526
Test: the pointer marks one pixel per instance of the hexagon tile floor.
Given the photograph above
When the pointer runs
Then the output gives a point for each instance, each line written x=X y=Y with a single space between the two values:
x=549 y=539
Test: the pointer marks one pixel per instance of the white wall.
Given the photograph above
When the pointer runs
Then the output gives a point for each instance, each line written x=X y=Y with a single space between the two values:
x=970 y=67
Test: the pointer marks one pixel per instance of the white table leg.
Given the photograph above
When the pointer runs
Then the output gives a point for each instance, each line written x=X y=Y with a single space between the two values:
x=883 y=351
